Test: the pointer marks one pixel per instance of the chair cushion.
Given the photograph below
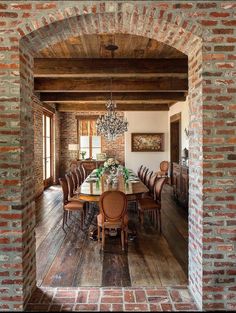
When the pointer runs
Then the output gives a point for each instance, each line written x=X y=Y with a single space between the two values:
x=148 y=204
x=110 y=224
x=74 y=205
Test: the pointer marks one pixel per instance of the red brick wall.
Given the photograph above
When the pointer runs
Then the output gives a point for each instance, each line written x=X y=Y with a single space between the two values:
x=68 y=133
x=38 y=145
x=208 y=27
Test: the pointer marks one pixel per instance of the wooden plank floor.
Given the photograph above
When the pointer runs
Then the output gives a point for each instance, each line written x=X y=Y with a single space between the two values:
x=72 y=259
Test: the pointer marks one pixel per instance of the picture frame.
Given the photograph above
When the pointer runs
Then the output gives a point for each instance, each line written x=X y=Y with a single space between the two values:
x=147 y=142
x=101 y=156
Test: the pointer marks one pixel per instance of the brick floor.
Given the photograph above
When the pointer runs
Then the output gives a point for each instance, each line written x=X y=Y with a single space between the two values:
x=47 y=299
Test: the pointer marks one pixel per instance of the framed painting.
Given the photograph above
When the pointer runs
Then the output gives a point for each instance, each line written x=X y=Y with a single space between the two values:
x=147 y=142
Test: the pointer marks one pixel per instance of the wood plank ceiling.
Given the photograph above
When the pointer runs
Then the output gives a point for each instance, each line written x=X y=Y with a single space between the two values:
x=76 y=74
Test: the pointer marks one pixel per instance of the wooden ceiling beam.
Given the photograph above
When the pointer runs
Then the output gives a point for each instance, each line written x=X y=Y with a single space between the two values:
x=52 y=97
x=102 y=67
x=73 y=107
x=103 y=84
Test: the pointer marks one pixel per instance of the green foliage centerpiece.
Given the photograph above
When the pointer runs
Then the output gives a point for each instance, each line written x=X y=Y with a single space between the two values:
x=112 y=168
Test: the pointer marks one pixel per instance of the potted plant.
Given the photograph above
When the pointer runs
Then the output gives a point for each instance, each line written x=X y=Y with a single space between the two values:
x=83 y=154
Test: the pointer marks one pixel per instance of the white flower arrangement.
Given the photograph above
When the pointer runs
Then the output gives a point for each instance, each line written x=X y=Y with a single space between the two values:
x=111 y=164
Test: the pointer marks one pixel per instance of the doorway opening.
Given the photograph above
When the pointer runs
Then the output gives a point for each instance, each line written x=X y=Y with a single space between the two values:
x=175 y=141
x=190 y=37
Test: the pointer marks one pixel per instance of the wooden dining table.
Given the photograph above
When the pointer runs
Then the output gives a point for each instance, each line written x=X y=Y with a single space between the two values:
x=92 y=188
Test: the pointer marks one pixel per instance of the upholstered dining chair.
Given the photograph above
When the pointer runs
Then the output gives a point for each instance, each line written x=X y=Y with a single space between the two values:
x=78 y=175
x=83 y=173
x=70 y=206
x=71 y=187
x=151 y=184
x=113 y=215
x=164 y=167
x=75 y=181
x=153 y=205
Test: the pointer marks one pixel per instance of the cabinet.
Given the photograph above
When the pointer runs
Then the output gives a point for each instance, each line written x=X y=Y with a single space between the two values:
x=90 y=165
x=180 y=181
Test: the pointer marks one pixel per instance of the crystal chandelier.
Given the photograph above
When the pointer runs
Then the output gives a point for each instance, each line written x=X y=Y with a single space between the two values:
x=111 y=125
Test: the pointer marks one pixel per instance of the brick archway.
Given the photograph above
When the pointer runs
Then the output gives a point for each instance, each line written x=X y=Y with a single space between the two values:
x=177 y=36
x=171 y=24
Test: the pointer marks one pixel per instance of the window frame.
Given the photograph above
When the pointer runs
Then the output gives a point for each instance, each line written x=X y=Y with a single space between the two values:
x=48 y=181
x=81 y=118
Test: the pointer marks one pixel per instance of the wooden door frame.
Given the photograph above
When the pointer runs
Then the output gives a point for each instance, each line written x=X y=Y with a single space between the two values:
x=175 y=118
x=49 y=181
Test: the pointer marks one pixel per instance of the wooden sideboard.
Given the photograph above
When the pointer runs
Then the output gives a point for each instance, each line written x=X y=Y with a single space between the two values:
x=180 y=182
x=90 y=165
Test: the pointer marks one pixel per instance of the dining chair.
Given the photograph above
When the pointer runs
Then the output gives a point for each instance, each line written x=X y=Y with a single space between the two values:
x=151 y=183
x=139 y=170
x=144 y=173
x=71 y=187
x=147 y=177
x=78 y=175
x=152 y=206
x=83 y=173
x=164 y=167
x=113 y=215
x=75 y=181
x=70 y=206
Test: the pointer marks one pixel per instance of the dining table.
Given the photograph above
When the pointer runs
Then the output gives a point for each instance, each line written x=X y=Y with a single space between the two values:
x=93 y=186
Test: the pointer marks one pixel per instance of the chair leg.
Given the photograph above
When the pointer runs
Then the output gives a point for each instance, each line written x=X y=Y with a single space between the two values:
x=126 y=236
x=159 y=221
x=99 y=234
x=103 y=237
x=82 y=219
x=66 y=217
x=122 y=239
x=141 y=217
x=63 y=220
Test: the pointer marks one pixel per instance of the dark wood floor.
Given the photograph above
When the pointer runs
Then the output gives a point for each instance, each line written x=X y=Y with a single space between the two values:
x=72 y=259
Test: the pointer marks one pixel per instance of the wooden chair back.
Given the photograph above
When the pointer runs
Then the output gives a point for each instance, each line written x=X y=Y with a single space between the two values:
x=139 y=170
x=144 y=173
x=83 y=172
x=113 y=206
x=75 y=180
x=70 y=184
x=151 y=183
x=65 y=190
x=164 y=167
x=147 y=177
x=158 y=188
x=78 y=175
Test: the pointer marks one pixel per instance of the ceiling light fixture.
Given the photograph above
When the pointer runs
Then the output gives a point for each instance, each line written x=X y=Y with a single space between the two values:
x=111 y=125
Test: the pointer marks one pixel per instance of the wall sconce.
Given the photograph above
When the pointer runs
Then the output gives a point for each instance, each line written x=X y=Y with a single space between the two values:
x=74 y=150
x=186 y=132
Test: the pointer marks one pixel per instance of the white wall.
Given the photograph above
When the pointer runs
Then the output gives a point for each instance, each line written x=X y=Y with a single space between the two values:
x=146 y=122
x=182 y=107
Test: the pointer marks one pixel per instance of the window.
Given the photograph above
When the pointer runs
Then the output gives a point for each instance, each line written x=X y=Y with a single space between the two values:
x=88 y=139
x=47 y=148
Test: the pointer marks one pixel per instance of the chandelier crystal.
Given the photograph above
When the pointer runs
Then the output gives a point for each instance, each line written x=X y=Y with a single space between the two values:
x=111 y=125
